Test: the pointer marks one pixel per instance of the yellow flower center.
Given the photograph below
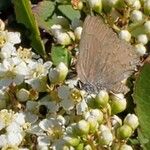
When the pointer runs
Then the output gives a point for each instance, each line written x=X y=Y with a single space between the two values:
x=2 y=40
x=24 y=53
x=76 y=95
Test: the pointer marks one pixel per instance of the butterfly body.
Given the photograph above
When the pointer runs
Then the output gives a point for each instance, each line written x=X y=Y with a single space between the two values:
x=104 y=60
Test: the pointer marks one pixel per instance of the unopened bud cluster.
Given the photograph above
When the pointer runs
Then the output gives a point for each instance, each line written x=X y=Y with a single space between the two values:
x=101 y=127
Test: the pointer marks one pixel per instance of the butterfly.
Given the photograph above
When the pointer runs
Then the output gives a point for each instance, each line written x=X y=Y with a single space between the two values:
x=104 y=60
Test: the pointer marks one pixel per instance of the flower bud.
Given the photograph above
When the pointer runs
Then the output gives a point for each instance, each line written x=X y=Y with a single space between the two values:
x=133 y=3
x=96 y=114
x=112 y=3
x=63 y=38
x=136 y=16
x=77 y=33
x=96 y=5
x=147 y=26
x=125 y=147
x=71 y=35
x=93 y=124
x=140 y=49
x=106 y=136
x=2 y=25
x=88 y=147
x=125 y=35
x=102 y=98
x=77 y=4
x=22 y=95
x=71 y=140
x=116 y=121
x=147 y=7
x=124 y=132
x=56 y=29
x=142 y=38
x=59 y=73
x=80 y=146
x=132 y=121
x=83 y=127
x=118 y=103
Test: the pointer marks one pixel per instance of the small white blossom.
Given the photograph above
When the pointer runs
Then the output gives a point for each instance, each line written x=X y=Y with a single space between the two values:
x=9 y=37
x=52 y=127
x=71 y=98
x=12 y=70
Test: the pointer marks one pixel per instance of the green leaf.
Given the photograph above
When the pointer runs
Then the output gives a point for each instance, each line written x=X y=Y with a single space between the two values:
x=43 y=11
x=69 y=12
x=25 y=16
x=60 y=54
x=142 y=98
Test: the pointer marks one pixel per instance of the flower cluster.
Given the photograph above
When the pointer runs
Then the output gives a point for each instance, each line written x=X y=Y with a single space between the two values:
x=40 y=108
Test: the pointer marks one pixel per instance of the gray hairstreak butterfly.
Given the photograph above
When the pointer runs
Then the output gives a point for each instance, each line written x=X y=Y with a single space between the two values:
x=104 y=59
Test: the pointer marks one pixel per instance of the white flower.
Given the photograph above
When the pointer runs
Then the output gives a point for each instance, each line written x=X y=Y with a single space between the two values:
x=43 y=142
x=6 y=118
x=140 y=49
x=52 y=127
x=125 y=35
x=12 y=70
x=8 y=51
x=71 y=98
x=38 y=75
x=9 y=37
x=136 y=16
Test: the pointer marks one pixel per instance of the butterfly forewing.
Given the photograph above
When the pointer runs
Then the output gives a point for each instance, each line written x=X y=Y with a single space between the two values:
x=104 y=60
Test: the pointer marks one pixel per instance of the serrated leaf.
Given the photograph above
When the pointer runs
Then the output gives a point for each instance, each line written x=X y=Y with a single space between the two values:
x=60 y=54
x=25 y=16
x=43 y=11
x=142 y=99
x=69 y=12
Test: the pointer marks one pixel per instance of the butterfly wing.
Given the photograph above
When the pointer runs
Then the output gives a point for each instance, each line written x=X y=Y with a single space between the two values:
x=104 y=60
